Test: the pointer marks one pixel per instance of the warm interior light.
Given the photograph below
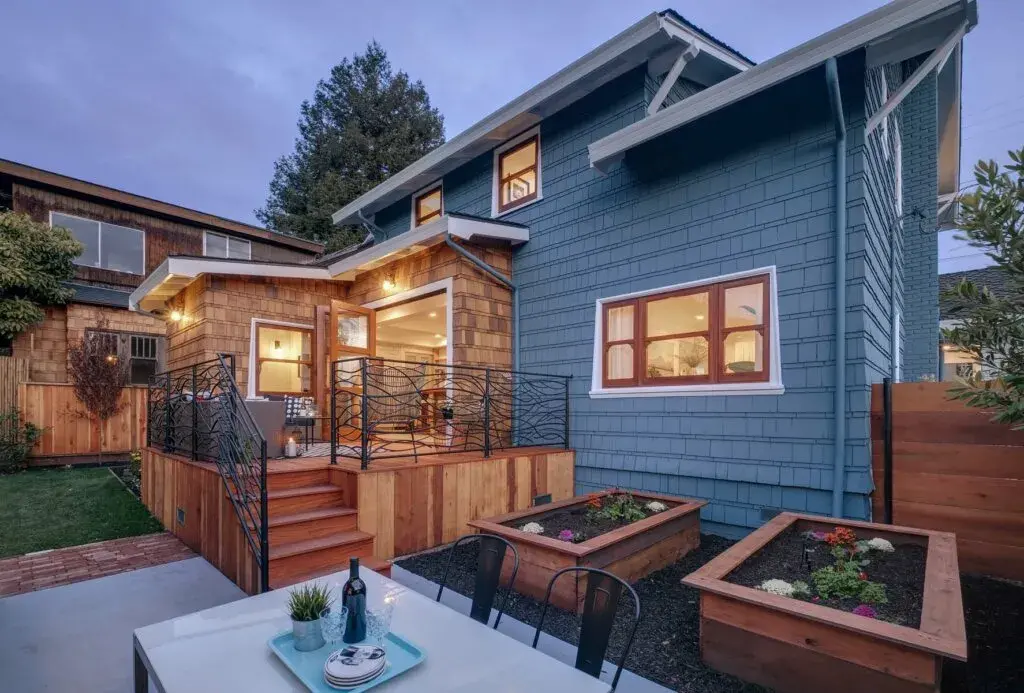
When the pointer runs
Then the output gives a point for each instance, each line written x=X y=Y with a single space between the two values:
x=278 y=351
x=291 y=440
x=698 y=317
x=439 y=336
x=175 y=315
x=432 y=314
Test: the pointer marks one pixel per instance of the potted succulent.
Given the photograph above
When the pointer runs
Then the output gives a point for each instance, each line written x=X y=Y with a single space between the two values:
x=308 y=605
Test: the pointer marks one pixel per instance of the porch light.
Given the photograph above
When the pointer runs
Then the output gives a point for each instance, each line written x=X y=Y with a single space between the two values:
x=111 y=358
x=175 y=316
x=389 y=281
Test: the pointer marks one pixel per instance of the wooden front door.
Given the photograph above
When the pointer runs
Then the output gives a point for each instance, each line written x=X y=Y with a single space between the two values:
x=352 y=334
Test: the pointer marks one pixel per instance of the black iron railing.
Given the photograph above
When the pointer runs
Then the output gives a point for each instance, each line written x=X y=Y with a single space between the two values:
x=197 y=412
x=383 y=408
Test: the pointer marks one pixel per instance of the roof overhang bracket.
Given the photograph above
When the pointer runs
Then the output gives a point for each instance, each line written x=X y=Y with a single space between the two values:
x=688 y=54
x=934 y=61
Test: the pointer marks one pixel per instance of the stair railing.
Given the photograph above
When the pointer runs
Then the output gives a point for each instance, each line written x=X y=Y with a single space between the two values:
x=197 y=412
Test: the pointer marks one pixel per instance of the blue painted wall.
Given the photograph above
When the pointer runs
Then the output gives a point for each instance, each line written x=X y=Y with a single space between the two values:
x=750 y=186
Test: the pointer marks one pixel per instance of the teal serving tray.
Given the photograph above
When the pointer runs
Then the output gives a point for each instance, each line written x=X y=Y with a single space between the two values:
x=308 y=667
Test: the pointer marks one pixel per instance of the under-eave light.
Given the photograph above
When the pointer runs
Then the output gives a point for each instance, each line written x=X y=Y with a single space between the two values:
x=175 y=316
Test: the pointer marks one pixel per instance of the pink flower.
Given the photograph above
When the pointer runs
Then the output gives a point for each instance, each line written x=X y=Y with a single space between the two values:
x=566 y=535
x=816 y=598
x=865 y=611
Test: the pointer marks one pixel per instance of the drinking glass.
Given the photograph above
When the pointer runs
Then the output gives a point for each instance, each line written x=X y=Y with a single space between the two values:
x=378 y=622
x=333 y=624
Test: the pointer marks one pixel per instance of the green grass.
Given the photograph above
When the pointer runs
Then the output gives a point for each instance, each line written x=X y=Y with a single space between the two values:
x=50 y=509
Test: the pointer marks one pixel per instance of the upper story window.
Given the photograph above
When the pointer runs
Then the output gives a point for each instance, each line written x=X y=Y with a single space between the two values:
x=517 y=174
x=427 y=205
x=107 y=246
x=219 y=245
x=713 y=336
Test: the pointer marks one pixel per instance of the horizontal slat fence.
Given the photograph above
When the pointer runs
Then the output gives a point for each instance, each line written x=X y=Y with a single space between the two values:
x=954 y=471
x=71 y=434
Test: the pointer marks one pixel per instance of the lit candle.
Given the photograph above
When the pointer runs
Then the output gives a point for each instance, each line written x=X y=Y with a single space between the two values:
x=291 y=450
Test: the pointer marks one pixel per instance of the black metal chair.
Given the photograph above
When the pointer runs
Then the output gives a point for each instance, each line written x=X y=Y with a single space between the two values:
x=599 y=608
x=488 y=575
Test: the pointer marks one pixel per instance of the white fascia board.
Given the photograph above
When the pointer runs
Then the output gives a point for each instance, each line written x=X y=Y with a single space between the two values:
x=155 y=279
x=466 y=229
x=684 y=34
x=593 y=61
x=849 y=37
x=685 y=56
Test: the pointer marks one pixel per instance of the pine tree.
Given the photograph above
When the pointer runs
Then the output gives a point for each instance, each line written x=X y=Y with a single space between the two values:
x=364 y=124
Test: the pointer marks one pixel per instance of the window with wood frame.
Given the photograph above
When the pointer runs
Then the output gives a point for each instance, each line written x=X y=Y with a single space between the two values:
x=712 y=333
x=284 y=360
x=428 y=206
x=518 y=174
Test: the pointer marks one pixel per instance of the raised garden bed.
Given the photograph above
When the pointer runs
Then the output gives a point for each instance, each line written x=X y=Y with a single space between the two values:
x=629 y=549
x=818 y=640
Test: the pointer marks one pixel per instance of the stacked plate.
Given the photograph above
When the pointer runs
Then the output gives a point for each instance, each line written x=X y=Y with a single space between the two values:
x=354 y=665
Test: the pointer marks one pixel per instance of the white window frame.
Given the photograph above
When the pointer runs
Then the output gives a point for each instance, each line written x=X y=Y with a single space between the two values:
x=99 y=242
x=252 y=375
x=496 y=177
x=228 y=240
x=419 y=193
x=773 y=386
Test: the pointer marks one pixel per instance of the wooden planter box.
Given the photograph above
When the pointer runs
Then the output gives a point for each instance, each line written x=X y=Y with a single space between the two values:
x=630 y=552
x=795 y=646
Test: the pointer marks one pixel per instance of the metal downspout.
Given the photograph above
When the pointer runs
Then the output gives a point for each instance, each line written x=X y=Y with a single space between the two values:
x=839 y=455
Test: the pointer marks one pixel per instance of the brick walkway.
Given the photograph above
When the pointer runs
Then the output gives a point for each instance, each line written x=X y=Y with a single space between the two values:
x=37 y=571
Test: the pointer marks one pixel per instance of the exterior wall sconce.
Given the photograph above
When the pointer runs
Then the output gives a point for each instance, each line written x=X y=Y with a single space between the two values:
x=111 y=358
x=176 y=316
x=389 y=281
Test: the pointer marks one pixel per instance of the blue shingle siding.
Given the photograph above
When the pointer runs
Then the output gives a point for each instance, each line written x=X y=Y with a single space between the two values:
x=749 y=186
x=920 y=239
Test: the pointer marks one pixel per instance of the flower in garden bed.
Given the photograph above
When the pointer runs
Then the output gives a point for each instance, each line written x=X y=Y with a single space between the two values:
x=880 y=544
x=865 y=611
x=567 y=535
x=841 y=536
x=656 y=506
x=814 y=535
x=779 y=587
x=532 y=528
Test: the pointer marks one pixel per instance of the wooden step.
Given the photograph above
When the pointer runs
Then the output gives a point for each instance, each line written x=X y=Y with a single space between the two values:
x=289 y=562
x=378 y=565
x=311 y=524
x=288 y=501
x=296 y=478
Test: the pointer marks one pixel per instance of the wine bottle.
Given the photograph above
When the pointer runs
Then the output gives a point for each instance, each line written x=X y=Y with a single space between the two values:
x=353 y=597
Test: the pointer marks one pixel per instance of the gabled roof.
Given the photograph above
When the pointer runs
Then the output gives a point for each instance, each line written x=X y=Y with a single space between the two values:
x=652 y=36
x=899 y=30
x=996 y=279
x=113 y=196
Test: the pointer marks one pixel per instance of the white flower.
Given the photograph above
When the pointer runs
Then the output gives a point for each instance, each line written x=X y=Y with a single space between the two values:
x=880 y=544
x=779 y=587
x=532 y=528
x=656 y=506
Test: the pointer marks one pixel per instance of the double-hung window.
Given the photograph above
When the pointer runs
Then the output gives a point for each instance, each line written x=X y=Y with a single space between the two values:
x=517 y=174
x=219 y=245
x=144 y=352
x=711 y=334
x=284 y=360
x=106 y=246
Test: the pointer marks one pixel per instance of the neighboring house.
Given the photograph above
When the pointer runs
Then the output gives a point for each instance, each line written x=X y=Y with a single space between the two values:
x=954 y=363
x=667 y=212
x=126 y=237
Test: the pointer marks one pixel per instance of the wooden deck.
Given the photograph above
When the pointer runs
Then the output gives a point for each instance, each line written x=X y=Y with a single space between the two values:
x=320 y=513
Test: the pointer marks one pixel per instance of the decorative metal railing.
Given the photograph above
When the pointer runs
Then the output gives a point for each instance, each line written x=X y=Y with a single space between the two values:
x=383 y=408
x=197 y=411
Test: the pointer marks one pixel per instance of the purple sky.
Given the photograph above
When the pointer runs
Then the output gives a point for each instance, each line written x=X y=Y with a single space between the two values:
x=192 y=101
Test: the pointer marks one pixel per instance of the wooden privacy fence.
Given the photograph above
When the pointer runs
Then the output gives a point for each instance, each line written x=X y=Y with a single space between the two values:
x=952 y=470
x=13 y=372
x=71 y=434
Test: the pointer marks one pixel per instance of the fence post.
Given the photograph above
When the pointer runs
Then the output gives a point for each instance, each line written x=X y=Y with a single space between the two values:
x=487 y=412
x=195 y=417
x=567 y=412
x=168 y=436
x=334 y=413
x=364 y=413
x=887 y=436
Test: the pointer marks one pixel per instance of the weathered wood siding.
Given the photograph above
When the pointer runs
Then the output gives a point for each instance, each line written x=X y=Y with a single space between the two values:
x=207 y=522
x=70 y=431
x=953 y=471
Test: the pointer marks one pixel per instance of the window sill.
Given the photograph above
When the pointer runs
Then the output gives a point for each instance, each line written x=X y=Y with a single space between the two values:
x=495 y=214
x=709 y=390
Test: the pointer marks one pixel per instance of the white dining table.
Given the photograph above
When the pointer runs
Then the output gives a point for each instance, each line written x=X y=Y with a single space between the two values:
x=225 y=649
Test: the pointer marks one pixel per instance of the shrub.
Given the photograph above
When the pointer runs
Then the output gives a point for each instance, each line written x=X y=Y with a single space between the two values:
x=621 y=508
x=845 y=580
x=16 y=441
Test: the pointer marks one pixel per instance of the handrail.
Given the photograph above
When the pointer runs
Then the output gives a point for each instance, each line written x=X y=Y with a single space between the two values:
x=198 y=411
x=383 y=408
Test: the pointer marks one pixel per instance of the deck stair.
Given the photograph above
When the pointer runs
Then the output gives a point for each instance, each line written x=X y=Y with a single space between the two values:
x=313 y=531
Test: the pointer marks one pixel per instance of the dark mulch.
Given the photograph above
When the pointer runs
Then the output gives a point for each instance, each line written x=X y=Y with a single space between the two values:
x=792 y=557
x=584 y=525
x=667 y=645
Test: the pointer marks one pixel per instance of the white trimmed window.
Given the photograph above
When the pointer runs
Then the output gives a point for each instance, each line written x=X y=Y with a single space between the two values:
x=220 y=245
x=107 y=246
x=427 y=205
x=715 y=336
x=517 y=174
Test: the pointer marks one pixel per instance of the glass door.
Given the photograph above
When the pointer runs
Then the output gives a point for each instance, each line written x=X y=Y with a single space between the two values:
x=352 y=335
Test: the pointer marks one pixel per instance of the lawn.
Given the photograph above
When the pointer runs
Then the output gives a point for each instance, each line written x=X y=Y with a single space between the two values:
x=50 y=509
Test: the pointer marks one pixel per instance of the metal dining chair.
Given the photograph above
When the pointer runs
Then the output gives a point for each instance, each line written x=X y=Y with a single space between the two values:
x=488 y=575
x=599 y=609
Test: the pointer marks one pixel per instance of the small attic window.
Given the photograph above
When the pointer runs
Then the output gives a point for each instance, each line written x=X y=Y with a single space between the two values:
x=427 y=206
x=517 y=179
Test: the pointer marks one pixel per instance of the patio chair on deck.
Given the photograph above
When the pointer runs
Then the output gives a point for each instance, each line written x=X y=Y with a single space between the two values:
x=488 y=575
x=600 y=606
